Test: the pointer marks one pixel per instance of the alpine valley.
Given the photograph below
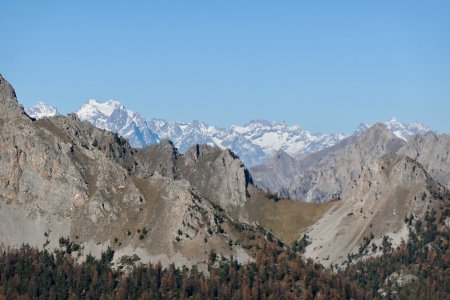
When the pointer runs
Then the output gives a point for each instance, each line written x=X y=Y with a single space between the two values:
x=104 y=204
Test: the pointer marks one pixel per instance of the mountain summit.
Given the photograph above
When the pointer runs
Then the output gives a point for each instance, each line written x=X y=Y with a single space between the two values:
x=41 y=110
x=9 y=107
x=404 y=130
x=401 y=130
x=113 y=116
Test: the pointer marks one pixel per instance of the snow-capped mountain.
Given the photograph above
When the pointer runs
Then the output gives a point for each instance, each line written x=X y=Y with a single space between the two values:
x=113 y=116
x=402 y=130
x=294 y=140
x=41 y=110
x=184 y=135
x=255 y=142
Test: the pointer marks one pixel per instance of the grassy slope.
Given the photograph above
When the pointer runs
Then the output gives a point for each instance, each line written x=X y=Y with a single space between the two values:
x=286 y=218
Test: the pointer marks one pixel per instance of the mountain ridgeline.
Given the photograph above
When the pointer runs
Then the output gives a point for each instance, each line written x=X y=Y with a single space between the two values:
x=333 y=172
x=254 y=142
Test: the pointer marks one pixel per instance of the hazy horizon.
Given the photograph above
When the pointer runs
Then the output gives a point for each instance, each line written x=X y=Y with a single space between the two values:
x=149 y=118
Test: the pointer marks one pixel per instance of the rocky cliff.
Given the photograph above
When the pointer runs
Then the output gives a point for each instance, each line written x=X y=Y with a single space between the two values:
x=433 y=152
x=217 y=174
x=61 y=177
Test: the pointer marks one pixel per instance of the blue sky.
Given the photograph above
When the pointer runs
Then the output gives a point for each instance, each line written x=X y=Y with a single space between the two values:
x=326 y=65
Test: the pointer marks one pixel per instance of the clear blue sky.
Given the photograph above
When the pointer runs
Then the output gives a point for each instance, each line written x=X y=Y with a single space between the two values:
x=326 y=65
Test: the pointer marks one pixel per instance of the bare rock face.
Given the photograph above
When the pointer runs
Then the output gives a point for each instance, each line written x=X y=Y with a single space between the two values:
x=277 y=174
x=161 y=158
x=387 y=190
x=60 y=177
x=433 y=152
x=332 y=177
x=217 y=174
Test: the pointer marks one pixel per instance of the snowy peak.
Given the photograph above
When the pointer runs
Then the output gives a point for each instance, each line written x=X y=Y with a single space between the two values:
x=92 y=108
x=404 y=130
x=184 y=135
x=254 y=142
x=113 y=116
x=401 y=130
x=41 y=110
x=274 y=136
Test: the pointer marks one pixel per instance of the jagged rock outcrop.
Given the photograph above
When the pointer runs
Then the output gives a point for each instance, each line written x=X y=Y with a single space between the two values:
x=217 y=174
x=161 y=158
x=10 y=108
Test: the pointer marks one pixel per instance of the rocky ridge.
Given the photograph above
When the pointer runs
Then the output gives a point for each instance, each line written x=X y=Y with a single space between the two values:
x=387 y=191
x=433 y=152
x=64 y=177
x=216 y=174
x=331 y=178
x=326 y=174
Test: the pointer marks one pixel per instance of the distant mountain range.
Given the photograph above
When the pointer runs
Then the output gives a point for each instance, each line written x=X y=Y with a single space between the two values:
x=255 y=142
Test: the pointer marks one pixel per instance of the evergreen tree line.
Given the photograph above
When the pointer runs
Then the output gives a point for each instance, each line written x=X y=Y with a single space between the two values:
x=277 y=273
